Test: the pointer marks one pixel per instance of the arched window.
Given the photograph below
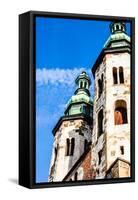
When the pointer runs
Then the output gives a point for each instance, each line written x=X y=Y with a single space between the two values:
x=100 y=86
x=76 y=176
x=67 y=146
x=118 y=77
x=72 y=146
x=121 y=75
x=85 y=84
x=81 y=84
x=100 y=122
x=117 y=27
x=115 y=75
x=120 y=113
x=85 y=144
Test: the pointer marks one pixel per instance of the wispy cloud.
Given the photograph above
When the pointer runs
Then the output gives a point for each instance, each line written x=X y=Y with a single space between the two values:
x=57 y=76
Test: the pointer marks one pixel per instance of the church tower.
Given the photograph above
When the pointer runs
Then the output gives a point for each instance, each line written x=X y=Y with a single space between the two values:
x=111 y=116
x=73 y=131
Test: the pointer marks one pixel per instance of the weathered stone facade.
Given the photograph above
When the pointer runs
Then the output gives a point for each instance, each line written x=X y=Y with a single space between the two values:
x=114 y=136
x=83 y=169
x=119 y=169
x=101 y=142
x=80 y=131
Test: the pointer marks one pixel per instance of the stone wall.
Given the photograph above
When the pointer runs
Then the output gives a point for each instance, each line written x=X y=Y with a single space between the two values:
x=117 y=135
x=114 y=136
x=80 y=131
x=84 y=169
x=119 y=169
x=106 y=146
x=99 y=142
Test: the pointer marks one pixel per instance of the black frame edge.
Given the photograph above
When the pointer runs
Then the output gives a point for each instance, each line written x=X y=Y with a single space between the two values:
x=26 y=97
x=78 y=15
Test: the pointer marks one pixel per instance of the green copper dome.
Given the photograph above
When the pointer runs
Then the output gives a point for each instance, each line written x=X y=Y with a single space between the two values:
x=79 y=98
x=118 y=35
x=81 y=101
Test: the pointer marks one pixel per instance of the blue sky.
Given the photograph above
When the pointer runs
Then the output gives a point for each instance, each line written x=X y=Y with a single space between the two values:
x=64 y=47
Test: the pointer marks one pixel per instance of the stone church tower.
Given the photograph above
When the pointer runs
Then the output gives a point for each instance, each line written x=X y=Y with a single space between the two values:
x=111 y=118
x=92 y=139
x=73 y=131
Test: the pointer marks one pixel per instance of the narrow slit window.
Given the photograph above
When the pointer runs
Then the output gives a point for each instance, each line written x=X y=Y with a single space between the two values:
x=100 y=156
x=100 y=122
x=100 y=87
x=81 y=84
x=55 y=154
x=72 y=146
x=85 y=144
x=85 y=84
x=122 y=150
x=67 y=146
x=115 y=81
x=117 y=27
x=76 y=176
x=121 y=75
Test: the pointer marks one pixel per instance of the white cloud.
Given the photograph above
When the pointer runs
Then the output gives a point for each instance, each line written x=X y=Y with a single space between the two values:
x=57 y=76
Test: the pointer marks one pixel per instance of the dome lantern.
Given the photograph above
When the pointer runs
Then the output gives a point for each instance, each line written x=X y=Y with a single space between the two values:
x=81 y=102
x=117 y=27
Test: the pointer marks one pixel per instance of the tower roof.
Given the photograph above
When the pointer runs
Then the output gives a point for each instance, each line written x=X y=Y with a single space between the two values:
x=80 y=105
x=118 y=33
x=82 y=93
x=117 y=42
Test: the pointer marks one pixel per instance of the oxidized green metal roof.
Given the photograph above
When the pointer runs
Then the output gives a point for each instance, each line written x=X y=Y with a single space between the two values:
x=117 y=37
x=81 y=97
x=82 y=94
x=118 y=41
